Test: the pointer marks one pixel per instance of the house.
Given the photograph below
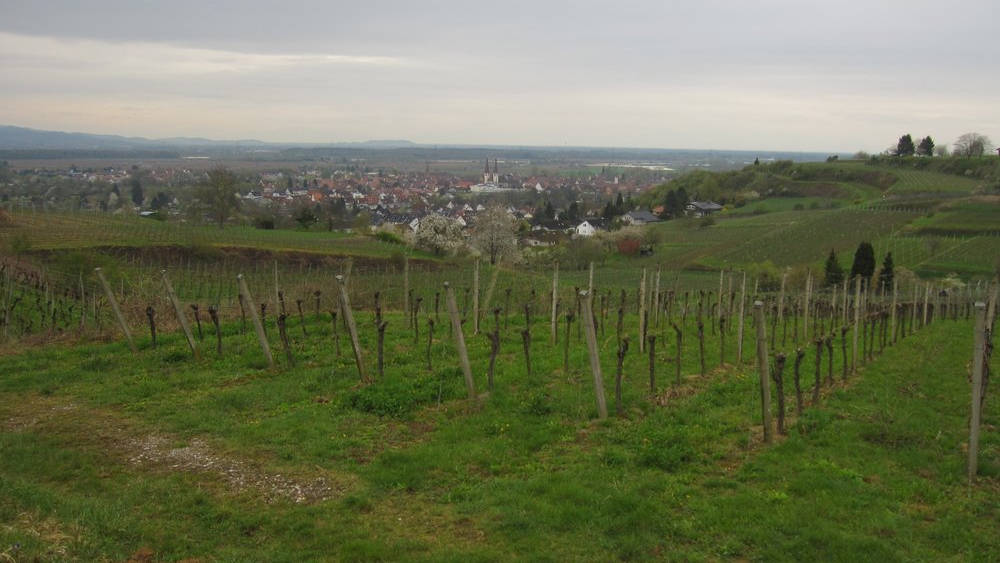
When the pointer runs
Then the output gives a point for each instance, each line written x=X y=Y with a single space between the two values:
x=639 y=218
x=584 y=229
x=702 y=208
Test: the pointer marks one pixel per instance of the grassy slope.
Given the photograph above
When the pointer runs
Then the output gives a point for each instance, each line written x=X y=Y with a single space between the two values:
x=85 y=230
x=874 y=473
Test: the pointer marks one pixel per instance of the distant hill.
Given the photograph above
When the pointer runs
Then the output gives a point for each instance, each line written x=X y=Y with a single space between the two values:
x=22 y=142
x=23 y=138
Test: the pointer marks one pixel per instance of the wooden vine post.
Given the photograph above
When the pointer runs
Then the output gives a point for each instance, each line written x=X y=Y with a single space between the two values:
x=169 y=288
x=978 y=369
x=352 y=329
x=595 y=361
x=406 y=283
x=642 y=312
x=781 y=307
x=857 y=322
x=762 y=368
x=257 y=325
x=488 y=299
x=740 y=327
x=554 y=328
x=463 y=354
x=805 y=307
x=590 y=280
x=116 y=309
x=892 y=329
x=475 y=299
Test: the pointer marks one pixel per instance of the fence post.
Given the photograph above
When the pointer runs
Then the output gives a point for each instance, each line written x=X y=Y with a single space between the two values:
x=180 y=313
x=116 y=309
x=463 y=354
x=762 y=368
x=257 y=325
x=595 y=361
x=978 y=367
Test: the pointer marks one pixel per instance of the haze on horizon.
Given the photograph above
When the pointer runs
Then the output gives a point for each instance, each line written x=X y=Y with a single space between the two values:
x=776 y=74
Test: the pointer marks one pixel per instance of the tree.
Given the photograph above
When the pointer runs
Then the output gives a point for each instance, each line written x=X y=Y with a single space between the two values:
x=549 y=212
x=438 y=234
x=926 y=146
x=217 y=195
x=905 y=146
x=362 y=222
x=886 y=274
x=864 y=262
x=834 y=271
x=494 y=233
x=972 y=144
x=305 y=216
x=135 y=188
x=573 y=212
x=609 y=211
x=160 y=200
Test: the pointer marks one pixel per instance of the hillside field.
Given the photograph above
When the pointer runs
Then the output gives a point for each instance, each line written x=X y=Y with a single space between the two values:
x=153 y=454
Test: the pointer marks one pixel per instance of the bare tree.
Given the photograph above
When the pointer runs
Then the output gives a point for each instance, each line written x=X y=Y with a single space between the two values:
x=217 y=195
x=972 y=144
x=494 y=233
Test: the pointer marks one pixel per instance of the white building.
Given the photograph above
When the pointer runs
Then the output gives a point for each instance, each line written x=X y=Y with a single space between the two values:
x=584 y=229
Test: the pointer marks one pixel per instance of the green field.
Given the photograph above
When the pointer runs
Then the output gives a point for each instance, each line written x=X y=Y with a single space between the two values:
x=108 y=455
x=152 y=455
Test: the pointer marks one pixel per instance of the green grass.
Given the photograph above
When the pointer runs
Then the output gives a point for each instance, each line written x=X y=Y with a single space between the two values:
x=50 y=230
x=963 y=218
x=874 y=472
x=917 y=182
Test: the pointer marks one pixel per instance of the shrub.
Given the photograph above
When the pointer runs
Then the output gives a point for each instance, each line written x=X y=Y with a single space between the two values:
x=628 y=246
x=389 y=237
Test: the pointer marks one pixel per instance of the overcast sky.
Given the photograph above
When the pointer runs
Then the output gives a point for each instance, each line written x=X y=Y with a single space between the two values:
x=770 y=74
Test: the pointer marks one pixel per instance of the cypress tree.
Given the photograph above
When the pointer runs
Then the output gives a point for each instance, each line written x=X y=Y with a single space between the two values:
x=834 y=271
x=886 y=275
x=864 y=262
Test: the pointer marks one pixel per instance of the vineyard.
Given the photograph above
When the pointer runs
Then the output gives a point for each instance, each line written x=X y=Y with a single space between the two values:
x=47 y=231
x=171 y=391
x=401 y=460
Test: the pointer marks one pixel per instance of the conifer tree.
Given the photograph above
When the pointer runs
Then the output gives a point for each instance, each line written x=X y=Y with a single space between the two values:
x=886 y=274
x=864 y=262
x=834 y=271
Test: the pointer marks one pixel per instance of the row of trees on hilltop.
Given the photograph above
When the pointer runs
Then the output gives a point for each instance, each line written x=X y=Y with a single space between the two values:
x=863 y=266
x=968 y=145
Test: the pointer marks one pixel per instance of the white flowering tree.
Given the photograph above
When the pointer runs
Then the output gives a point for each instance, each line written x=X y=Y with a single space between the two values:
x=438 y=234
x=494 y=234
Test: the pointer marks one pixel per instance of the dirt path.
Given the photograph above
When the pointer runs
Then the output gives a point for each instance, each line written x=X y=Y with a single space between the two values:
x=112 y=434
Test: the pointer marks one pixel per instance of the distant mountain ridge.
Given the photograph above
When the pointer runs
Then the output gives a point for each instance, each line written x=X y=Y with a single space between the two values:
x=25 y=143
x=24 y=138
